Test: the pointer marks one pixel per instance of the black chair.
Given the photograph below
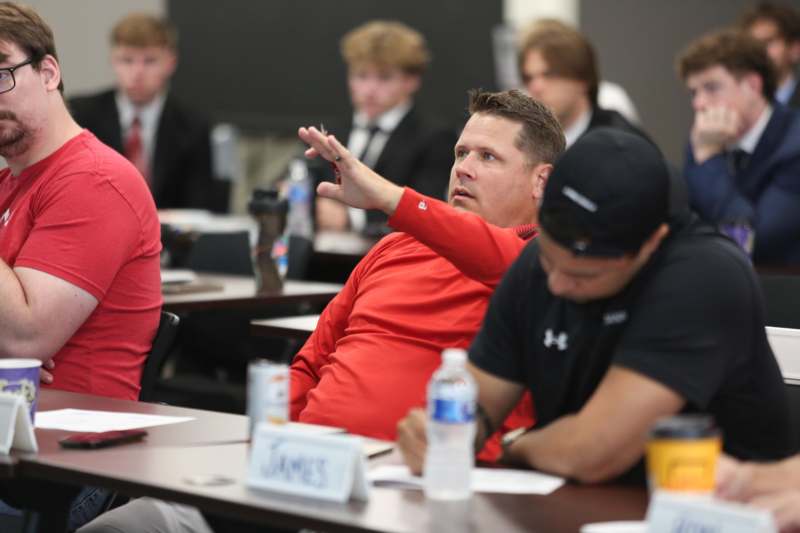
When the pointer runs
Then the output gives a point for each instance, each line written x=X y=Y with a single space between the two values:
x=222 y=253
x=163 y=342
x=214 y=348
x=781 y=299
x=300 y=251
x=162 y=345
x=793 y=395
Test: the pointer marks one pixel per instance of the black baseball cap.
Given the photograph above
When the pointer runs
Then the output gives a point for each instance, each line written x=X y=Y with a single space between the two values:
x=606 y=194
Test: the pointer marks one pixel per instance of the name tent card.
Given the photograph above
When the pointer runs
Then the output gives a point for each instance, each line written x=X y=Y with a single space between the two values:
x=671 y=512
x=16 y=430
x=325 y=467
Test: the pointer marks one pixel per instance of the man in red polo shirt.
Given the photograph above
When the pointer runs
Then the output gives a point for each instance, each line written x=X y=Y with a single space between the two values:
x=426 y=286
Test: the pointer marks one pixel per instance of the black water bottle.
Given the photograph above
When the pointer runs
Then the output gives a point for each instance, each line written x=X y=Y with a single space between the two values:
x=270 y=212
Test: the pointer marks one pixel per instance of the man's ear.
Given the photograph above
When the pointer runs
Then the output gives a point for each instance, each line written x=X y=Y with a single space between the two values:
x=413 y=82
x=172 y=62
x=794 y=52
x=653 y=241
x=753 y=81
x=539 y=175
x=51 y=72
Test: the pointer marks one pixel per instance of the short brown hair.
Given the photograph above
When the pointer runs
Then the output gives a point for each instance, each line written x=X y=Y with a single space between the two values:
x=387 y=44
x=567 y=52
x=735 y=51
x=22 y=26
x=141 y=30
x=541 y=138
x=785 y=18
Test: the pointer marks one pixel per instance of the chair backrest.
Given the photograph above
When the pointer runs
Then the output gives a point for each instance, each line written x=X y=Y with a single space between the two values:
x=781 y=299
x=793 y=395
x=300 y=251
x=223 y=253
x=162 y=345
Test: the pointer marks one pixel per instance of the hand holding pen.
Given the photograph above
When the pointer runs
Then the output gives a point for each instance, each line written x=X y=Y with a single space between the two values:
x=356 y=184
x=335 y=168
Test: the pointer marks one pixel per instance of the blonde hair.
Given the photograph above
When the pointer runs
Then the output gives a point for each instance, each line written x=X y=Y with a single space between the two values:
x=141 y=30
x=387 y=44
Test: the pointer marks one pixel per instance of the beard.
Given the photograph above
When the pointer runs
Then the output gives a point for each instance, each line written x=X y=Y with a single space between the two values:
x=14 y=136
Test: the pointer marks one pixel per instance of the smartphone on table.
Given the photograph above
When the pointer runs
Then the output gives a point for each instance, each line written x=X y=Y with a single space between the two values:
x=102 y=440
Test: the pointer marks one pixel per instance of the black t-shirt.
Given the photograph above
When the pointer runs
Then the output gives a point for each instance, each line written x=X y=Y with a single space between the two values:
x=692 y=319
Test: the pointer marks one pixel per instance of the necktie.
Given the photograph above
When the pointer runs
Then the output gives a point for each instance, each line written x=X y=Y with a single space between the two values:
x=134 y=148
x=737 y=161
x=371 y=131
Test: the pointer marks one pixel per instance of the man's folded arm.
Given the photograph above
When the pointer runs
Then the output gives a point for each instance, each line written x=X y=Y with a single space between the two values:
x=607 y=436
x=496 y=398
x=39 y=312
x=713 y=192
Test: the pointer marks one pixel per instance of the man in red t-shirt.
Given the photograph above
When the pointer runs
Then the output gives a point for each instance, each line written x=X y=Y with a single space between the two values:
x=79 y=238
x=79 y=233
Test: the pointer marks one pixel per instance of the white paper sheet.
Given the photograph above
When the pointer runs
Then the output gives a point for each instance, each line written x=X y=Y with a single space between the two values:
x=498 y=480
x=312 y=429
x=375 y=447
x=97 y=421
x=177 y=275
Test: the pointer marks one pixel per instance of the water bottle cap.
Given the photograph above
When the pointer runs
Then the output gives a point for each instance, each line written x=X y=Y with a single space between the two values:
x=267 y=201
x=451 y=356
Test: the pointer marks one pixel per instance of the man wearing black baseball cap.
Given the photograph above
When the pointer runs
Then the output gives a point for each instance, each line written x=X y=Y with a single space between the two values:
x=617 y=315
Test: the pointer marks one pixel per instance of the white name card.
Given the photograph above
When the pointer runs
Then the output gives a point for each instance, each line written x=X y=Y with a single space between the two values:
x=325 y=467
x=683 y=513
x=16 y=430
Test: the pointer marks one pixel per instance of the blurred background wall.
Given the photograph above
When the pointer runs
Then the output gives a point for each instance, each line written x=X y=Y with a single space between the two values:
x=270 y=66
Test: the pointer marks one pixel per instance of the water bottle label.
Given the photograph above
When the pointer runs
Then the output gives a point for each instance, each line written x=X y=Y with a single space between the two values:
x=280 y=248
x=298 y=194
x=453 y=411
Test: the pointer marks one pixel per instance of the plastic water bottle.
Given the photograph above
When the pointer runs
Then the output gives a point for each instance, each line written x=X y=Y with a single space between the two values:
x=299 y=222
x=452 y=394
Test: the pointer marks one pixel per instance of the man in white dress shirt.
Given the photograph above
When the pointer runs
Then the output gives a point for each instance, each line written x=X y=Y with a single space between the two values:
x=385 y=63
x=142 y=119
x=558 y=67
x=777 y=26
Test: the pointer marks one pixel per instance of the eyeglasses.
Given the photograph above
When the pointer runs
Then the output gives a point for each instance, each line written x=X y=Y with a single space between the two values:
x=7 y=80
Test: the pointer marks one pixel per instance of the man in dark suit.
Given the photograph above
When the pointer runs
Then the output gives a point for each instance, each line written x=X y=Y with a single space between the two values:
x=385 y=62
x=777 y=26
x=558 y=66
x=141 y=119
x=743 y=159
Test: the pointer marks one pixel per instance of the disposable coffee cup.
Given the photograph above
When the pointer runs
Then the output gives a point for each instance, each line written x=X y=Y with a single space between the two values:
x=21 y=377
x=741 y=232
x=682 y=454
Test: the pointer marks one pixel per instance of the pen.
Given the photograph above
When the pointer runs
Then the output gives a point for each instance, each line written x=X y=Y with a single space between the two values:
x=333 y=165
